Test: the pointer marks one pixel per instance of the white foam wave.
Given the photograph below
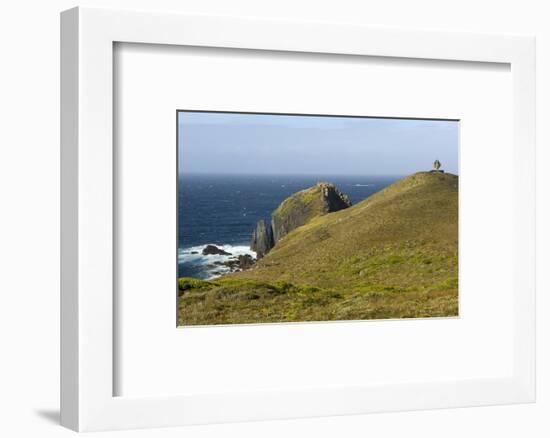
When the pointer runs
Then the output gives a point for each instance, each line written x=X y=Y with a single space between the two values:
x=211 y=265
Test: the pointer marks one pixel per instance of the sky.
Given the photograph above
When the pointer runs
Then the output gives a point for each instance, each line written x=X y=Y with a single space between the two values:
x=233 y=143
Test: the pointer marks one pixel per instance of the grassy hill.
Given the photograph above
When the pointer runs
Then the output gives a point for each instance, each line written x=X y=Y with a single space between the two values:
x=393 y=255
x=299 y=208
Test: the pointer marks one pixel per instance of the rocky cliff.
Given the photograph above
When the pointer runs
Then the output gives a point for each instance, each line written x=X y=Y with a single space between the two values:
x=262 y=238
x=296 y=211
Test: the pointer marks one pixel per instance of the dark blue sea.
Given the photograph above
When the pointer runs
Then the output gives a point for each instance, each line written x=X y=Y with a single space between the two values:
x=223 y=210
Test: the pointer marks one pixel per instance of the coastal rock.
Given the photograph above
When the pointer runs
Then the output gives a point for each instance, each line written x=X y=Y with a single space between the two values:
x=246 y=261
x=332 y=198
x=241 y=263
x=262 y=238
x=303 y=206
x=296 y=211
x=214 y=250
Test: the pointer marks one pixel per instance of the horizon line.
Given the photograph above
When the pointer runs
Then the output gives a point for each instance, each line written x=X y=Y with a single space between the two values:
x=288 y=174
x=199 y=173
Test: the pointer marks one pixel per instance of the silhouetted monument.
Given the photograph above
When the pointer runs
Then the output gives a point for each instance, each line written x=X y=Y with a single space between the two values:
x=437 y=167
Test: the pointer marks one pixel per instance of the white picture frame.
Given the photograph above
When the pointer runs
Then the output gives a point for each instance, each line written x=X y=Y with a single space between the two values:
x=87 y=331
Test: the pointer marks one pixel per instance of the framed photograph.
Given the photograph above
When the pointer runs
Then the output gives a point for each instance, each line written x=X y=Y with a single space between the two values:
x=275 y=219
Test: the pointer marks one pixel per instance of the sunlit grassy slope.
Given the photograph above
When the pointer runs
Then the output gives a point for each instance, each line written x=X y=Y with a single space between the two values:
x=393 y=255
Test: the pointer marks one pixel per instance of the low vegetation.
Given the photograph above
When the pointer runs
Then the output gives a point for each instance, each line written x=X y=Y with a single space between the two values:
x=393 y=255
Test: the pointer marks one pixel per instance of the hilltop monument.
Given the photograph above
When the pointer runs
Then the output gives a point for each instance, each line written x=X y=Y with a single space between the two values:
x=437 y=167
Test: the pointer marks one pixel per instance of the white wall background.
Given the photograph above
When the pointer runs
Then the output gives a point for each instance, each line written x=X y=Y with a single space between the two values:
x=29 y=212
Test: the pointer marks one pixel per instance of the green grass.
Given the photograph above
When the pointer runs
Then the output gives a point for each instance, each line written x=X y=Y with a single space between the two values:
x=394 y=255
x=306 y=201
x=230 y=301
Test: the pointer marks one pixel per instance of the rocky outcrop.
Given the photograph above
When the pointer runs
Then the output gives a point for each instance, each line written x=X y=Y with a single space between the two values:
x=240 y=263
x=301 y=207
x=245 y=261
x=296 y=211
x=332 y=198
x=214 y=250
x=262 y=238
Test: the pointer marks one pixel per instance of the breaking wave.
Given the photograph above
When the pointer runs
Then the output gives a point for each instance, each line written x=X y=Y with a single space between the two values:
x=192 y=262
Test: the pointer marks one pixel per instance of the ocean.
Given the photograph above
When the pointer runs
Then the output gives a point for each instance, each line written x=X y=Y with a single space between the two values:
x=223 y=210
